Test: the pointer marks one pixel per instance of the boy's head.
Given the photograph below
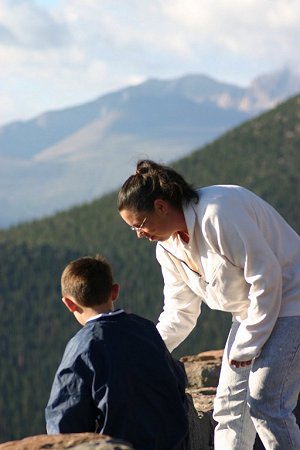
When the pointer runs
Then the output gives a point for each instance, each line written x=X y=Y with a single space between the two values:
x=88 y=281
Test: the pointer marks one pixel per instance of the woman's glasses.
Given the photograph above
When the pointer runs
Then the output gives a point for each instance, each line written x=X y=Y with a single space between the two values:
x=137 y=229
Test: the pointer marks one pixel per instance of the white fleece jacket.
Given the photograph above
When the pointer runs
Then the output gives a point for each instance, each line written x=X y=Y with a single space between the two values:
x=242 y=257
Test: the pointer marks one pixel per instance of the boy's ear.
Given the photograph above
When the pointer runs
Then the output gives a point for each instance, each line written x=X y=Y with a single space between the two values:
x=115 y=291
x=70 y=304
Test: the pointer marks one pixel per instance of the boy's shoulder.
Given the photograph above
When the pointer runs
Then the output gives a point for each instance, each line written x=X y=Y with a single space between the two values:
x=142 y=322
x=120 y=316
x=92 y=329
x=126 y=324
x=139 y=319
x=103 y=330
x=79 y=343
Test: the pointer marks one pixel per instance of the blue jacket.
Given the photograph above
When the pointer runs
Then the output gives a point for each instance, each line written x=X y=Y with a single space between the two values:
x=118 y=378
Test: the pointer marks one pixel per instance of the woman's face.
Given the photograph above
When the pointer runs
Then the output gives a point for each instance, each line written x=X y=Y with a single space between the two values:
x=155 y=226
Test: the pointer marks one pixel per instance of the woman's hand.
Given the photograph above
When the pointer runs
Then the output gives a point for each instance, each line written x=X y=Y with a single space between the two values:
x=238 y=364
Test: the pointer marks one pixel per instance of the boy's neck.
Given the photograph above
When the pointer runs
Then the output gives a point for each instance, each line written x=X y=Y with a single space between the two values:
x=89 y=313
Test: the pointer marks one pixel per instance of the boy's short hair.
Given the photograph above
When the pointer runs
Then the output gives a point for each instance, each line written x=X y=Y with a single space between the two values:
x=88 y=280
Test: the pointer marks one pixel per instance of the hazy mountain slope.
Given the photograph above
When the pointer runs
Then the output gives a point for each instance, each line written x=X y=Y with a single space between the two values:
x=29 y=137
x=262 y=154
x=25 y=139
x=274 y=87
x=62 y=158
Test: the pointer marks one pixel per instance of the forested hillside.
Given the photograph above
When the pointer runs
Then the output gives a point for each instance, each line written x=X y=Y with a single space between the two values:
x=262 y=155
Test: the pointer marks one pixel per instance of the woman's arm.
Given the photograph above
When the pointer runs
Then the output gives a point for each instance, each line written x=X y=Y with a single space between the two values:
x=182 y=306
x=233 y=231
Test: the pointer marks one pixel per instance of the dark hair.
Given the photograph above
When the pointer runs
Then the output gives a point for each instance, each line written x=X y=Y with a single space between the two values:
x=88 y=280
x=152 y=181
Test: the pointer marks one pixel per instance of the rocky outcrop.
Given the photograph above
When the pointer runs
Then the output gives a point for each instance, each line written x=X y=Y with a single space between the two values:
x=203 y=372
x=77 y=441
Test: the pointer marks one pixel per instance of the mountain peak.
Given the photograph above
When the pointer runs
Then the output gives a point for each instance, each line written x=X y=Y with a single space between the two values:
x=93 y=145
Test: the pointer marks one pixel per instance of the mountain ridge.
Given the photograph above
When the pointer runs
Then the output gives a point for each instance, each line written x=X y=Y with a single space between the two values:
x=50 y=162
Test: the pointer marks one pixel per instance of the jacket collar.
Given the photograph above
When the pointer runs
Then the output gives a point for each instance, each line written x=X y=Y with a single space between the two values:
x=190 y=219
x=108 y=314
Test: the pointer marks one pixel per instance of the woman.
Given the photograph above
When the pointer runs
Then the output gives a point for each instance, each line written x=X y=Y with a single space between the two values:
x=225 y=246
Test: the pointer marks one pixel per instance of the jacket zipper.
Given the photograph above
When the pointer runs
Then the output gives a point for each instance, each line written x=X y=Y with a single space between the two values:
x=185 y=263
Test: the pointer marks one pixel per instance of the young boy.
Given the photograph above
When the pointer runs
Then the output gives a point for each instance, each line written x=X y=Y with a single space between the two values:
x=116 y=376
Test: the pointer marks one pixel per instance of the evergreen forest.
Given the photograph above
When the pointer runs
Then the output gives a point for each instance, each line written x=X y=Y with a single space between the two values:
x=262 y=155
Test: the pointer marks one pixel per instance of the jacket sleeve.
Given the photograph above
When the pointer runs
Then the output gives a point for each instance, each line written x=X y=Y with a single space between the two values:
x=182 y=306
x=239 y=239
x=70 y=408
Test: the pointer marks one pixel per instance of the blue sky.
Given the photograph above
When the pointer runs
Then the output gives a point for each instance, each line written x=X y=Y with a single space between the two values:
x=57 y=53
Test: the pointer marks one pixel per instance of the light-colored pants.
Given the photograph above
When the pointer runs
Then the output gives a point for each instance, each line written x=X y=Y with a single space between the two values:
x=261 y=397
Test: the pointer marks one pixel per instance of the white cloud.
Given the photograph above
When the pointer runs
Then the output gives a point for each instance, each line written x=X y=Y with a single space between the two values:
x=7 y=107
x=253 y=28
x=58 y=53
x=32 y=26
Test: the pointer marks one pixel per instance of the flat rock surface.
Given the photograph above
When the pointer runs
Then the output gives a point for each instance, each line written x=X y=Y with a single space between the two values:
x=76 y=441
x=203 y=369
x=203 y=399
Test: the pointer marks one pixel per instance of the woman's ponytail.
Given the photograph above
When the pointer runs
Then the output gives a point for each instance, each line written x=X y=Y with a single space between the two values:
x=152 y=181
